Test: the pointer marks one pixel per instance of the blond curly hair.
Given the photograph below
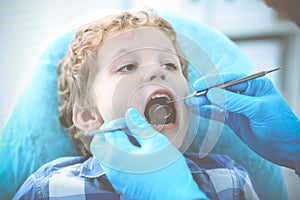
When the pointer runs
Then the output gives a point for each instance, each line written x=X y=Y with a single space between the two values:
x=77 y=67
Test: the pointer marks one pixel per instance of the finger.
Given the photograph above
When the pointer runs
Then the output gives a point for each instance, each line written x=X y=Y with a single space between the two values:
x=197 y=101
x=117 y=125
x=145 y=135
x=212 y=112
x=113 y=133
x=114 y=124
x=230 y=101
x=137 y=125
x=238 y=88
x=111 y=142
x=114 y=151
x=259 y=87
x=213 y=80
x=228 y=76
x=156 y=151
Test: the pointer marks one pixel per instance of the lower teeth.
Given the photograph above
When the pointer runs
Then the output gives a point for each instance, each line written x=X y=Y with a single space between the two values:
x=163 y=124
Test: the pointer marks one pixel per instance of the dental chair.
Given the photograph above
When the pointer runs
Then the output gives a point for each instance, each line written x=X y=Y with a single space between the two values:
x=33 y=135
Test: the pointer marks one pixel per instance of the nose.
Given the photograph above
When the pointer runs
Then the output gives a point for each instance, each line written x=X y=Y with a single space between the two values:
x=156 y=73
x=153 y=77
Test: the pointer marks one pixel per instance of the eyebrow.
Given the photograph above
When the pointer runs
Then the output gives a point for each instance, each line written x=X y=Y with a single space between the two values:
x=123 y=51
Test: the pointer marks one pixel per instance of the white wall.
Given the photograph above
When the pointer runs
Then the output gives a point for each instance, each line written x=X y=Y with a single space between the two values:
x=25 y=26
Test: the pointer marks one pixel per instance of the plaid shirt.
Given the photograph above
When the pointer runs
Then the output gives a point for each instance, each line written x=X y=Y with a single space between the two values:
x=76 y=178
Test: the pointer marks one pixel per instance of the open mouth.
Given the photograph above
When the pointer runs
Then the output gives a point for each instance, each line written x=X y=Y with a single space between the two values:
x=159 y=111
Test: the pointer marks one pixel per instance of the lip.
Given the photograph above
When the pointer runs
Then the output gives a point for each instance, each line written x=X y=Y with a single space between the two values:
x=169 y=93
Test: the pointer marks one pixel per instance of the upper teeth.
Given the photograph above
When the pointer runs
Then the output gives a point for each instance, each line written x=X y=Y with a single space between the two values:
x=160 y=95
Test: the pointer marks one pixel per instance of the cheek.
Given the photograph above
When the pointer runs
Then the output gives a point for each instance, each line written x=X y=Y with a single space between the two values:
x=113 y=96
x=103 y=94
x=102 y=100
x=182 y=87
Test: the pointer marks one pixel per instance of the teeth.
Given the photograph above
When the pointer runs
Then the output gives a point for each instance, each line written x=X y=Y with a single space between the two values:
x=160 y=96
x=163 y=124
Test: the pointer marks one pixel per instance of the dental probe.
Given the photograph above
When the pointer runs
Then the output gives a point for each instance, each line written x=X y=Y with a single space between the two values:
x=229 y=83
x=120 y=123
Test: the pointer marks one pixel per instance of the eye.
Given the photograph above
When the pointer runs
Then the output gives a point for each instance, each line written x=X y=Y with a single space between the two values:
x=169 y=67
x=127 y=68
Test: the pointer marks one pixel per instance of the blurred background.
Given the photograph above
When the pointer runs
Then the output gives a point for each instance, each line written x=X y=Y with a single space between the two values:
x=268 y=40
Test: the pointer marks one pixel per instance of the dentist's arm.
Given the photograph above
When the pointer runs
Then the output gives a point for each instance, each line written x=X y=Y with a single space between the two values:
x=153 y=170
x=257 y=113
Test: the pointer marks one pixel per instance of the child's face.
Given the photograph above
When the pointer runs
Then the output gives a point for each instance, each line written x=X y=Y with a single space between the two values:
x=140 y=68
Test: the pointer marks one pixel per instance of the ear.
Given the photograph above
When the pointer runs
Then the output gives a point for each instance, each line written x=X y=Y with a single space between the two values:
x=86 y=119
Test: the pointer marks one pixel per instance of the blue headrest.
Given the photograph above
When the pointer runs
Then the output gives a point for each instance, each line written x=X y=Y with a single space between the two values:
x=33 y=136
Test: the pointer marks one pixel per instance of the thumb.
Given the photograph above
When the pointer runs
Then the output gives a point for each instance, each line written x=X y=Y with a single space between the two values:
x=213 y=112
x=137 y=125
x=230 y=101
x=145 y=135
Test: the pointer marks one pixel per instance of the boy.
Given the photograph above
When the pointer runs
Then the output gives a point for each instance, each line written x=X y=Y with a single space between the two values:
x=130 y=65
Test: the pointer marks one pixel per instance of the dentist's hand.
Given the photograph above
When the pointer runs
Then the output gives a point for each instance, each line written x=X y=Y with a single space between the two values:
x=153 y=170
x=257 y=113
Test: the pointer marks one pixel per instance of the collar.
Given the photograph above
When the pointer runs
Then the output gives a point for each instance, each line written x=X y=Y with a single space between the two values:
x=91 y=168
x=194 y=167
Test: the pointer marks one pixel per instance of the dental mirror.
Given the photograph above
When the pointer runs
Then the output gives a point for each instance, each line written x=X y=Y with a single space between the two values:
x=159 y=113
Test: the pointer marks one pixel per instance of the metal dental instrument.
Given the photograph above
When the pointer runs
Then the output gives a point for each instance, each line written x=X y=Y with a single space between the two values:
x=230 y=83
x=120 y=124
x=162 y=111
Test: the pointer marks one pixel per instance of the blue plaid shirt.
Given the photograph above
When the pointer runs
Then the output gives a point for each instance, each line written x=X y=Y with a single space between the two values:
x=76 y=178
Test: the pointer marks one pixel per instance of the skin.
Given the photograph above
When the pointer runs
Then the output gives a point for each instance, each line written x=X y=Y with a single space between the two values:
x=133 y=66
x=287 y=8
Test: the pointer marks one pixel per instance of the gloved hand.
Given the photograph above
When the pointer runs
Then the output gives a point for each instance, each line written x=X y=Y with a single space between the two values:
x=153 y=170
x=256 y=112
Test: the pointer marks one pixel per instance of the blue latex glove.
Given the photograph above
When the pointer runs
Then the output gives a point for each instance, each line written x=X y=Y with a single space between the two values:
x=153 y=170
x=256 y=112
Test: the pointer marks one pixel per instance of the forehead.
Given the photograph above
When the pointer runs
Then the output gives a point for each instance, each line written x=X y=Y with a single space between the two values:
x=120 y=43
